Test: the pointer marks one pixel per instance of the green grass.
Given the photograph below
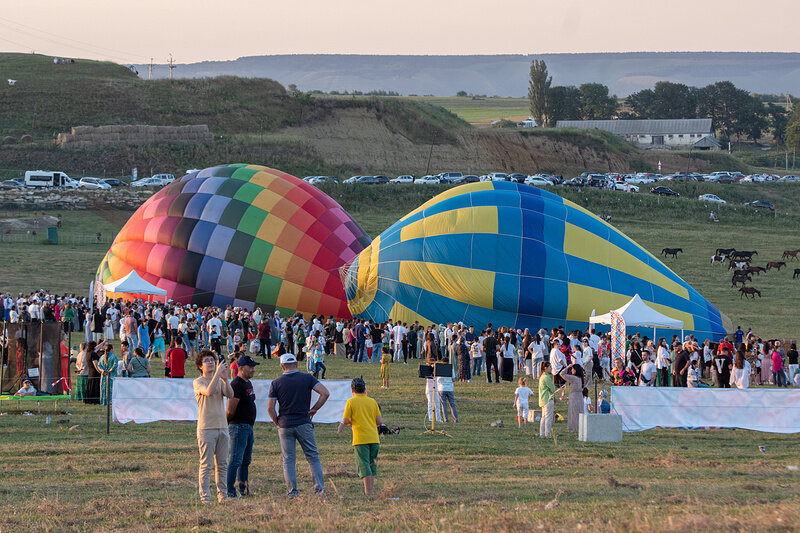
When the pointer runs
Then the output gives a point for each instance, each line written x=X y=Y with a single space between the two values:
x=481 y=110
x=144 y=477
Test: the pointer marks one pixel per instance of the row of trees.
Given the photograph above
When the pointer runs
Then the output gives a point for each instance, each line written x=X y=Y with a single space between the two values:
x=733 y=111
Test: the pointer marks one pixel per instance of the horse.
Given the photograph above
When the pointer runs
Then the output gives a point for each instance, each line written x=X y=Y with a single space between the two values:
x=790 y=253
x=775 y=264
x=756 y=269
x=796 y=273
x=738 y=264
x=724 y=252
x=743 y=255
x=744 y=272
x=740 y=279
x=671 y=251
x=717 y=259
x=751 y=291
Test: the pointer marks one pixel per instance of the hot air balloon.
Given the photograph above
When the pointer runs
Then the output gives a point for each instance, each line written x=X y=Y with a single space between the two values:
x=512 y=255
x=240 y=235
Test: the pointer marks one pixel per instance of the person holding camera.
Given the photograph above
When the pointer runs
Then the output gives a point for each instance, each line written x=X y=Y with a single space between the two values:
x=212 y=423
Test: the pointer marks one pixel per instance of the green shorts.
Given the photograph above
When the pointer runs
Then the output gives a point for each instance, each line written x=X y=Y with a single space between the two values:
x=366 y=459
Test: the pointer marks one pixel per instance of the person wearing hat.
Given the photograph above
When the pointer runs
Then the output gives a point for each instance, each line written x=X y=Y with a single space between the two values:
x=27 y=389
x=241 y=415
x=363 y=414
x=292 y=391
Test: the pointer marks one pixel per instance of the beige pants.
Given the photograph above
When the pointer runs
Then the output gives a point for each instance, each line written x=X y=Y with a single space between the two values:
x=546 y=424
x=213 y=445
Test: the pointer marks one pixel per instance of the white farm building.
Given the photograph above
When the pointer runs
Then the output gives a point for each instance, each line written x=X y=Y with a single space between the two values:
x=673 y=133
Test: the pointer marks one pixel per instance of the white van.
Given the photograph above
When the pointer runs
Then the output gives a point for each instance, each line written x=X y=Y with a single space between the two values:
x=48 y=178
x=166 y=179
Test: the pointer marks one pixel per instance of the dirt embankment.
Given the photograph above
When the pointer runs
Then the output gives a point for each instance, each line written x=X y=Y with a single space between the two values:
x=356 y=139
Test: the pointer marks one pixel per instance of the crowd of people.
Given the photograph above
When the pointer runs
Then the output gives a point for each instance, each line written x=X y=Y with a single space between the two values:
x=225 y=343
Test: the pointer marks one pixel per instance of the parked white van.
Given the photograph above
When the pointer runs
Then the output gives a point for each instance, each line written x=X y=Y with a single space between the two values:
x=48 y=178
x=166 y=179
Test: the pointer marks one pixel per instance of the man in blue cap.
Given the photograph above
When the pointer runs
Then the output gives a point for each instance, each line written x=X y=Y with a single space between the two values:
x=241 y=413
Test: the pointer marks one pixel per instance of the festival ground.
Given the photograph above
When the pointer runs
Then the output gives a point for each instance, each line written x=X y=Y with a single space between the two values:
x=144 y=477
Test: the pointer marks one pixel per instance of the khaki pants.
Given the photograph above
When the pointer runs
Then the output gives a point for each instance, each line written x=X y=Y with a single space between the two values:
x=546 y=424
x=214 y=445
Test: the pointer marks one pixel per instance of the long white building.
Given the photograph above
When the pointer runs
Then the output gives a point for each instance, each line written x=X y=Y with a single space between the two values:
x=673 y=133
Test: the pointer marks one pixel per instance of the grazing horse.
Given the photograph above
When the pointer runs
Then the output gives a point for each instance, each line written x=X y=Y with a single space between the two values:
x=743 y=255
x=725 y=252
x=717 y=259
x=756 y=270
x=775 y=264
x=671 y=251
x=740 y=279
x=738 y=264
x=790 y=253
x=796 y=273
x=750 y=291
x=737 y=273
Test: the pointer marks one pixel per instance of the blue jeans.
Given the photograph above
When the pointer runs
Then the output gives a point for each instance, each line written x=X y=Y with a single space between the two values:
x=239 y=459
x=361 y=352
x=304 y=434
x=320 y=366
x=448 y=397
x=476 y=366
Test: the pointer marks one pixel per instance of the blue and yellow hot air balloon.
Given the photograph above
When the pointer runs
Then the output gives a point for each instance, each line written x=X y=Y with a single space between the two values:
x=513 y=255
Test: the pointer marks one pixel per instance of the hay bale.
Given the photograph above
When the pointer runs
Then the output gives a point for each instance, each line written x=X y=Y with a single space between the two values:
x=8 y=139
x=26 y=139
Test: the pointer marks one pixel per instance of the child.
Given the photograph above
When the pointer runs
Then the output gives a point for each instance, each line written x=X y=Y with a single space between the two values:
x=521 y=396
x=587 y=402
x=368 y=346
x=237 y=338
x=386 y=360
x=363 y=414
x=28 y=389
x=319 y=361
x=230 y=342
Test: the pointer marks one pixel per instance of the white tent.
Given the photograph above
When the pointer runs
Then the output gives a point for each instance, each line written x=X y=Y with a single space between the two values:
x=134 y=284
x=638 y=313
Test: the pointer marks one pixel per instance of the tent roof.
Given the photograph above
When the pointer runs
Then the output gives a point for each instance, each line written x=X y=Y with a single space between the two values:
x=638 y=313
x=133 y=284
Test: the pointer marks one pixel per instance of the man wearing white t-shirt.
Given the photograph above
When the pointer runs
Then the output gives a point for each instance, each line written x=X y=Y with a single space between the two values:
x=33 y=310
x=594 y=342
x=557 y=359
x=397 y=337
x=647 y=376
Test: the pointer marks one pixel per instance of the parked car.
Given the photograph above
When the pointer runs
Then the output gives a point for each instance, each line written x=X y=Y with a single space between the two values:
x=537 y=181
x=789 y=178
x=166 y=179
x=517 y=177
x=621 y=185
x=147 y=182
x=48 y=178
x=449 y=177
x=114 y=182
x=577 y=181
x=497 y=176
x=663 y=191
x=323 y=179
x=405 y=178
x=380 y=180
x=713 y=198
x=641 y=177
x=428 y=180
x=93 y=183
x=14 y=183
x=597 y=180
x=469 y=178
x=763 y=204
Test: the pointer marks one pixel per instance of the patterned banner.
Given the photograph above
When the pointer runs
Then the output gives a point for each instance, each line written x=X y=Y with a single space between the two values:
x=153 y=399
x=617 y=336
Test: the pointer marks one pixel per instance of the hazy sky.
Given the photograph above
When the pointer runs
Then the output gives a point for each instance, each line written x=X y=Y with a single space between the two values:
x=197 y=30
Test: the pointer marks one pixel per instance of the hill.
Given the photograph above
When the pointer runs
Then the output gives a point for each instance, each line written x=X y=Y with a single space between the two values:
x=507 y=75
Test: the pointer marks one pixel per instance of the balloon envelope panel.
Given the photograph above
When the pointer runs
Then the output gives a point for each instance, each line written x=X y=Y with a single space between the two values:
x=241 y=235
x=513 y=255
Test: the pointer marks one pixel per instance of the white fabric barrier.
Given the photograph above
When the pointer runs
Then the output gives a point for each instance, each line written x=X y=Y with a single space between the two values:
x=767 y=410
x=143 y=400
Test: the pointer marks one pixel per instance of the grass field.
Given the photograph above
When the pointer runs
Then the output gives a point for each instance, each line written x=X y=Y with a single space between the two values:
x=143 y=477
x=479 y=110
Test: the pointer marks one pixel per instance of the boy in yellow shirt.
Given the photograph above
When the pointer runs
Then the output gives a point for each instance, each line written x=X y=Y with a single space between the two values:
x=363 y=414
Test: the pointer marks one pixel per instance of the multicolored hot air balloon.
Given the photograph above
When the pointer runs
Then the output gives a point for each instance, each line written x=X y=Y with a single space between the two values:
x=242 y=235
x=513 y=255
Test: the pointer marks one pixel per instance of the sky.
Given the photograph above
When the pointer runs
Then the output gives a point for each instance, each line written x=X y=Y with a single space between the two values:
x=205 y=30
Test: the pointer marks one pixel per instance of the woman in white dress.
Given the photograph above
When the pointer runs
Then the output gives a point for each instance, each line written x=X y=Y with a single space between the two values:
x=108 y=330
x=740 y=373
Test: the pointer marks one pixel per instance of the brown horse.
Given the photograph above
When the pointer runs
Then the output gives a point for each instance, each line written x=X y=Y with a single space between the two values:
x=790 y=253
x=671 y=251
x=738 y=264
x=740 y=279
x=756 y=270
x=775 y=264
x=750 y=291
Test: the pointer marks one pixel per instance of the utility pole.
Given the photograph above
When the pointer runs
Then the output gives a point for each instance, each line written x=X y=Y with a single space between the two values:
x=150 y=72
x=171 y=67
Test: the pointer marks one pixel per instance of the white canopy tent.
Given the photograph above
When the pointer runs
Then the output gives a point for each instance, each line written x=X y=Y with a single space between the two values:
x=638 y=313
x=134 y=284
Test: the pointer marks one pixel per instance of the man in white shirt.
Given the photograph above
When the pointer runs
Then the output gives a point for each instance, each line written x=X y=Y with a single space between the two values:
x=647 y=377
x=557 y=358
x=157 y=314
x=397 y=338
x=214 y=321
x=594 y=341
x=33 y=310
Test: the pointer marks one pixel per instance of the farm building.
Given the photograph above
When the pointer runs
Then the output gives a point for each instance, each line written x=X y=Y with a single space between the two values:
x=678 y=133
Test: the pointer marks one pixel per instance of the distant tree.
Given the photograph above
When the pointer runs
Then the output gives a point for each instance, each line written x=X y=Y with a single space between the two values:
x=674 y=100
x=462 y=93
x=643 y=103
x=292 y=88
x=750 y=117
x=778 y=120
x=538 y=89
x=793 y=132
x=720 y=102
x=596 y=103
x=563 y=103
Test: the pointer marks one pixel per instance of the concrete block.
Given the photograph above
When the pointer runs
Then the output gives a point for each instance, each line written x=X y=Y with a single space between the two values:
x=599 y=428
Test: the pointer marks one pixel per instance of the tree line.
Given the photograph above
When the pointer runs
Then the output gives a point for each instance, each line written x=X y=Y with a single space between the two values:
x=733 y=111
